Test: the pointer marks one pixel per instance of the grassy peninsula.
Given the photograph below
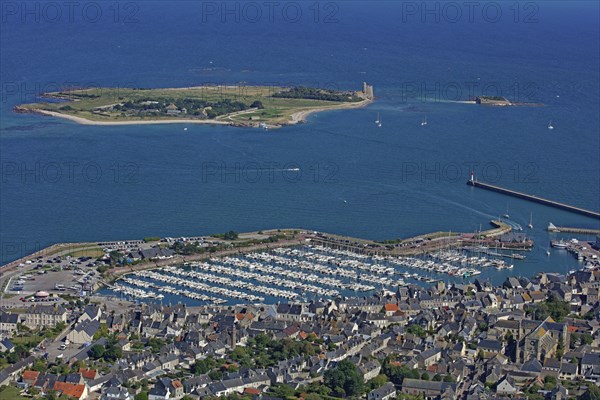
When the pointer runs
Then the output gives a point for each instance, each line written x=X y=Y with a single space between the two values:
x=260 y=106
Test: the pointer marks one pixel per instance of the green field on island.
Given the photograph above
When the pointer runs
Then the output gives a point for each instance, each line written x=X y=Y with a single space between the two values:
x=235 y=105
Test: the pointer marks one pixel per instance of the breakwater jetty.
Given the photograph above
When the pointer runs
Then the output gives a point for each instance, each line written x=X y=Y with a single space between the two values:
x=568 y=229
x=588 y=213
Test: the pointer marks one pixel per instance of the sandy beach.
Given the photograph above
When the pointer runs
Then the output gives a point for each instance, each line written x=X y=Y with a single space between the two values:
x=85 y=121
x=301 y=116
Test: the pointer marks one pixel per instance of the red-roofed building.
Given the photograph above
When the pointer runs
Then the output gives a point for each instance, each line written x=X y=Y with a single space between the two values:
x=390 y=309
x=291 y=331
x=178 y=388
x=78 y=391
x=252 y=391
x=29 y=377
x=88 y=373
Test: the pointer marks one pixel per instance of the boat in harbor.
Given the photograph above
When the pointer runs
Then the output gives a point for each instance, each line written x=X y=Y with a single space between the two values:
x=424 y=120
x=507 y=215
x=559 y=244
x=530 y=225
x=550 y=126
x=377 y=120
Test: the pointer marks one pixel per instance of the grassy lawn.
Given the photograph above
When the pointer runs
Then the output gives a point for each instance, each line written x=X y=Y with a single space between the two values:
x=93 y=252
x=12 y=393
x=28 y=338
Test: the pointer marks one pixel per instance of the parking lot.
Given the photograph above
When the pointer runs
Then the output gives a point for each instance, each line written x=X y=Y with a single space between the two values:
x=54 y=276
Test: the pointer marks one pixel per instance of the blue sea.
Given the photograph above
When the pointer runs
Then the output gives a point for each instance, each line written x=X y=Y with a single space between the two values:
x=338 y=172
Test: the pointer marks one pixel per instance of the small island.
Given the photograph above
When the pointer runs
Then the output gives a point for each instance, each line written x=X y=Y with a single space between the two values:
x=249 y=106
x=501 y=101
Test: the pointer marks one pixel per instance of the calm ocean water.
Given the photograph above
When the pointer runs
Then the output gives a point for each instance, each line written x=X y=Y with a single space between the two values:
x=66 y=182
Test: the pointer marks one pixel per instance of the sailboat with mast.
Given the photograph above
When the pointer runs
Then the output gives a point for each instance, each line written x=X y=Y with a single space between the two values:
x=530 y=226
x=424 y=120
x=506 y=215
x=379 y=123
x=377 y=120
x=550 y=126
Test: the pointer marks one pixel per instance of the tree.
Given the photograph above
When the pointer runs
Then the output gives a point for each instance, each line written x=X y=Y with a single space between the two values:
x=97 y=351
x=141 y=396
x=553 y=307
x=397 y=373
x=215 y=375
x=593 y=393
x=586 y=338
x=573 y=339
x=283 y=391
x=549 y=382
x=115 y=257
x=437 y=378
x=344 y=379
x=560 y=350
x=231 y=235
x=378 y=381
x=39 y=365
x=101 y=332
x=417 y=330
x=480 y=355
x=113 y=353
x=257 y=104
x=202 y=367
x=425 y=376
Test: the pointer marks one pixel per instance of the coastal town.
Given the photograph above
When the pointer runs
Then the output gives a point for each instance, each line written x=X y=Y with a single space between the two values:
x=299 y=200
x=347 y=328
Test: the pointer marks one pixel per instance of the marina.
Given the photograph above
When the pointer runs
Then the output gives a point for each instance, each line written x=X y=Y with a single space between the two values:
x=299 y=273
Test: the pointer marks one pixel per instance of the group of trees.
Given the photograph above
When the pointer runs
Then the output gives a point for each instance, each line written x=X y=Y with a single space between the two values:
x=396 y=373
x=229 y=235
x=262 y=351
x=301 y=92
x=416 y=330
x=195 y=107
x=576 y=339
x=209 y=366
x=553 y=307
x=344 y=380
x=109 y=353
x=593 y=393
x=188 y=248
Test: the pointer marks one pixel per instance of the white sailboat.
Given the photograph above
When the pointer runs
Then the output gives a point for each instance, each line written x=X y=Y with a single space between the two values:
x=530 y=226
x=506 y=215
x=424 y=120
x=550 y=126
x=377 y=120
